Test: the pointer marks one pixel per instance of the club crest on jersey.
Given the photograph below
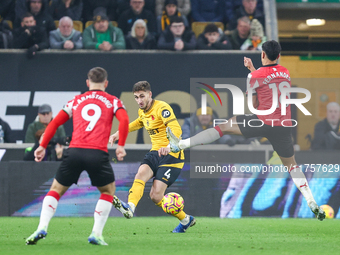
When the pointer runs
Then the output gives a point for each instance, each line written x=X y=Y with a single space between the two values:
x=166 y=113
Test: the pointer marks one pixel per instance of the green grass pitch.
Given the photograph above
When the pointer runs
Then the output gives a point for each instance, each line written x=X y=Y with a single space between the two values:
x=153 y=236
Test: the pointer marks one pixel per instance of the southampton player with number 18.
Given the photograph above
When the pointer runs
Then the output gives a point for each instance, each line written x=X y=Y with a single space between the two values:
x=92 y=114
x=159 y=163
x=271 y=76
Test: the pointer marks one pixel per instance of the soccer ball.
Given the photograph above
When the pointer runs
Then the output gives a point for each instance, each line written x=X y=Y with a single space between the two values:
x=328 y=211
x=172 y=203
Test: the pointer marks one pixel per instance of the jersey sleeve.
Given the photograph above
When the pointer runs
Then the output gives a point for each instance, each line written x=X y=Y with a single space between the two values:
x=117 y=104
x=68 y=107
x=52 y=127
x=169 y=119
x=136 y=124
x=252 y=84
x=123 y=128
x=166 y=113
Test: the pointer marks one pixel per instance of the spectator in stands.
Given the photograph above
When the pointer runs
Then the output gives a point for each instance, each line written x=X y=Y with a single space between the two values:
x=327 y=131
x=66 y=37
x=248 y=8
x=183 y=6
x=123 y=5
x=177 y=36
x=199 y=122
x=232 y=5
x=54 y=150
x=70 y=8
x=239 y=35
x=42 y=120
x=102 y=35
x=211 y=39
x=29 y=36
x=6 y=36
x=256 y=37
x=7 y=132
x=90 y=9
x=207 y=10
x=7 y=10
x=43 y=18
x=22 y=7
x=137 y=11
x=170 y=10
x=6 y=13
x=139 y=38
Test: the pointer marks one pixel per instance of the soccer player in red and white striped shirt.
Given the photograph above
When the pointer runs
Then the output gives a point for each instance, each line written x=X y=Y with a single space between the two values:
x=92 y=114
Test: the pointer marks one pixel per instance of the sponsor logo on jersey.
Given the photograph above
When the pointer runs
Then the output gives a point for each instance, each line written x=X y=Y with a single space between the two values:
x=166 y=113
x=153 y=131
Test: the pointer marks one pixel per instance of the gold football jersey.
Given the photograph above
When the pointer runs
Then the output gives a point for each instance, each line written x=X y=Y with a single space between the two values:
x=155 y=120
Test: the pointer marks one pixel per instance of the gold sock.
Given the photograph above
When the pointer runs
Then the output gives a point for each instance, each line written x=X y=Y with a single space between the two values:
x=181 y=215
x=159 y=204
x=136 y=191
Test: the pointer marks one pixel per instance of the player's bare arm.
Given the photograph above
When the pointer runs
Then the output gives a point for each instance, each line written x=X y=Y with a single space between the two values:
x=120 y=153
x=249 y=64
x=114 y=138
x=39 y=153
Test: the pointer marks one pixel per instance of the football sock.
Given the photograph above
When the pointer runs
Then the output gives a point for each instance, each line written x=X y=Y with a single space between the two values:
x=48 y=209
x=180 y=215
x=101 y=213
x=186 y=220
x=301 y=183
x=136 y=192
x=205 y=137
x=159 y=204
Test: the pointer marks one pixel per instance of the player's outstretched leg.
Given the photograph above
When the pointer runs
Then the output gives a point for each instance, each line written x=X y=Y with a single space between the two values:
x=174 y=140
x=205 y=137
x=49 y=207
x=135 y=194
x=123 y=207
x=301 y=183
x=317 y=210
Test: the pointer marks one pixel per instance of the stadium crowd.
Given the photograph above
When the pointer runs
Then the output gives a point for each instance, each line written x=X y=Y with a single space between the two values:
x=107 y=25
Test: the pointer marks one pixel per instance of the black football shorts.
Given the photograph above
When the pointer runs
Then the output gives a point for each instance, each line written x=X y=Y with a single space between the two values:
x=165 y=168
x=95 y=162
x=280 y=137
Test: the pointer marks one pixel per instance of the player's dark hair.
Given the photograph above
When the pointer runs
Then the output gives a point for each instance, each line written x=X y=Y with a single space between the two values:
x=272 y=49
x=26 y=15
x=141 y=86
x=97 y=75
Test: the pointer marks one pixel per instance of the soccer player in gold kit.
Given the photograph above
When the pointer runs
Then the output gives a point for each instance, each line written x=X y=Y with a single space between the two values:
x=159 y=163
